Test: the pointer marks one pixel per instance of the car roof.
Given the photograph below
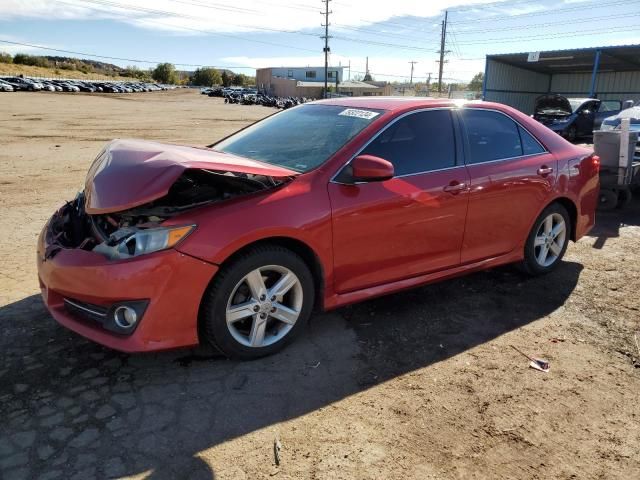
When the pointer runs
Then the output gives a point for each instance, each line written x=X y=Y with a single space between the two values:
x=403 y=104
x=388 y=103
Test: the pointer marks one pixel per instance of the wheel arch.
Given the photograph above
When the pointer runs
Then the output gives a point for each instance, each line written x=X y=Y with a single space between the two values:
x=571 y=209
x=308 y=255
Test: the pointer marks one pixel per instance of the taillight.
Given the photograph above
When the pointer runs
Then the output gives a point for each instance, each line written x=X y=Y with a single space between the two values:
x=595 y=163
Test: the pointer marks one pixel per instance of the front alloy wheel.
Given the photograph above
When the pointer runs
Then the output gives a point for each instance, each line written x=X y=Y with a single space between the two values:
x=258 y=303
x=264 y=306
x=547 y=241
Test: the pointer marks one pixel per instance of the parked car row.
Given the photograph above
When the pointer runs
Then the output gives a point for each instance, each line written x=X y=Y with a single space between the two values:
x=248 y=96
x=11 y=84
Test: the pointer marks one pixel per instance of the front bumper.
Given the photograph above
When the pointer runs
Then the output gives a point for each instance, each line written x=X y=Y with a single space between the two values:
x=172 y=282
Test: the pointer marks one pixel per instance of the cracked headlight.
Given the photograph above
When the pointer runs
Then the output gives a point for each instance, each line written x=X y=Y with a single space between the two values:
x=133 y=242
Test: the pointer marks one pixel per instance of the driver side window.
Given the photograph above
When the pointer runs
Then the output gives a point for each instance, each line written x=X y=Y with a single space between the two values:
x=419 y=142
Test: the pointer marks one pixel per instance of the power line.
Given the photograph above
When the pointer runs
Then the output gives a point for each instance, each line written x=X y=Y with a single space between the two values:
x=208 y=32
x=155 y=11
x=250 y=27
x=107 y=57
x=572 y=33
x=549 y=24
x=545 y=12
x=376 y=32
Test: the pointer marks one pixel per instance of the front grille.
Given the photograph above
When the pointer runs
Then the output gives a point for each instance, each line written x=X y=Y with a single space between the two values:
x=87 y=311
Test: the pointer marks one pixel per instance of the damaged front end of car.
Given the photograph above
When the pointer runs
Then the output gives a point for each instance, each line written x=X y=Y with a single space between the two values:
x=140 y=230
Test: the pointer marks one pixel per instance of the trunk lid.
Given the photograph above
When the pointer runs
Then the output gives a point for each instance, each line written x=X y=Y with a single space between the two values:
x=130 y=173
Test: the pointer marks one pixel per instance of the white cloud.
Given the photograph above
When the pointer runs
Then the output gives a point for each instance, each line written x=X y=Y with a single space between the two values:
x=182 y=15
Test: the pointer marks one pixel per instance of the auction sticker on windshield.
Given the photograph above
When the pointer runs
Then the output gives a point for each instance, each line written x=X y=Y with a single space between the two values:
x=354 y=112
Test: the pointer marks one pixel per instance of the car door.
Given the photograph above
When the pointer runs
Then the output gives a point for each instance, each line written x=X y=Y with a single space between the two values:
x=511 y=177
x=410 y=224
x=585 y=118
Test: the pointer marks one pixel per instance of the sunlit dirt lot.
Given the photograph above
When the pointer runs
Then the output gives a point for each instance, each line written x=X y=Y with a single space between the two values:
x=422 y=384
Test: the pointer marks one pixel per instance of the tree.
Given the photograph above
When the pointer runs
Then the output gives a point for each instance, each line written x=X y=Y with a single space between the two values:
x=5 y=58
x=226 y=78
x=206 y=77
x=239 y=79
x=165 y=73
x=476 y=82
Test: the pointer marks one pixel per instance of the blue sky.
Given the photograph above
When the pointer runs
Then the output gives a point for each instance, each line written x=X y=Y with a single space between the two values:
x=285 y=32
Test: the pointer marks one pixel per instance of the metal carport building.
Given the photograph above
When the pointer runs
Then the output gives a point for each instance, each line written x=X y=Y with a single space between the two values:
x=607 y=73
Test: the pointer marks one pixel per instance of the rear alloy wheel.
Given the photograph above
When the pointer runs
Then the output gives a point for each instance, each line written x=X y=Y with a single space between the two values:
x=572 y=134
x=259 y=303
x=547 y=241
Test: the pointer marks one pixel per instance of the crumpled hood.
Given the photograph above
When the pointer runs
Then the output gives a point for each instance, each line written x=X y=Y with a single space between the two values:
x=130 y=173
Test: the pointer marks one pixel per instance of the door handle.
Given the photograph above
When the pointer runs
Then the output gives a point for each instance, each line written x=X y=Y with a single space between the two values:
x=455 y=187
x=544 y=170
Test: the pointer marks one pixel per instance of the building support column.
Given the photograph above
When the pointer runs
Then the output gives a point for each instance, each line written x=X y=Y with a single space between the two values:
x=484 y=78
x=594 y=75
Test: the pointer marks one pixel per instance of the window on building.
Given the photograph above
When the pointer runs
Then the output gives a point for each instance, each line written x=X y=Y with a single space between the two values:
x=290 y=73
x=310 y=74
x=331 y=74
x=419 y=142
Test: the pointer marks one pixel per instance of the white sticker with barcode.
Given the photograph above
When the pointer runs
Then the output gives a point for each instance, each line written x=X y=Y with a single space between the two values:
x=354 y=112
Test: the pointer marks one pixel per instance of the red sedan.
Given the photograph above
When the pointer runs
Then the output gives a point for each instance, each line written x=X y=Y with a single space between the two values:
x=316 y=207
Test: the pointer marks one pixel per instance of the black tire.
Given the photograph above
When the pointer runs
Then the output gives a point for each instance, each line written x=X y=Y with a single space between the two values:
x=571 y=134
x=607 y=200
x=530 y=264
x=214 y=306
x=624 y=198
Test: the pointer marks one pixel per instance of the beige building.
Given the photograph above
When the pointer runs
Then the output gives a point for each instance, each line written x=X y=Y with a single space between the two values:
x=309 y=82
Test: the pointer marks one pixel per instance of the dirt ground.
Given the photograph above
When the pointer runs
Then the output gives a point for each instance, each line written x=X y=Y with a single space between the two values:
x=422 y=384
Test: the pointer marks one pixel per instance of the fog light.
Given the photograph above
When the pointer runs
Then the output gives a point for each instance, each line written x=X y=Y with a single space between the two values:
x=125 y=317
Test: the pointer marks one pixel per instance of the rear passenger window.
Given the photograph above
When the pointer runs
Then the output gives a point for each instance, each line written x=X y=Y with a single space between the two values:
x=490 y=135
x=530 y=146
x=419 y=142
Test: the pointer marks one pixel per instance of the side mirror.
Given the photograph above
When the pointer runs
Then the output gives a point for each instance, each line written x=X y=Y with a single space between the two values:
x=369 y=168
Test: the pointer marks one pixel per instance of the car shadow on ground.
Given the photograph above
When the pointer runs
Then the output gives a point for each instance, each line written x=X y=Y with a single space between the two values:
x=608 y=223
x=73 y=409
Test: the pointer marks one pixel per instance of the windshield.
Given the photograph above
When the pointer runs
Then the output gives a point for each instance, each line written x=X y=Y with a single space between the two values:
x=301 y=138
x=575 y=104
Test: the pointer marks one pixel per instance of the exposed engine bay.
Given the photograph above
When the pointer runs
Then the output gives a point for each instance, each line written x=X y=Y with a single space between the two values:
x=125 y=234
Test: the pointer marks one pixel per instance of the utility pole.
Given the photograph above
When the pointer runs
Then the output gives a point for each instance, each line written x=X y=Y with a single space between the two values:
x=411 y=79
x=443 y=41
x=349 y=69
x=428 y=81
x=326 y=45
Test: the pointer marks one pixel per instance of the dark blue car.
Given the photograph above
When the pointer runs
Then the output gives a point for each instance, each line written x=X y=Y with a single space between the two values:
x=573 y=117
